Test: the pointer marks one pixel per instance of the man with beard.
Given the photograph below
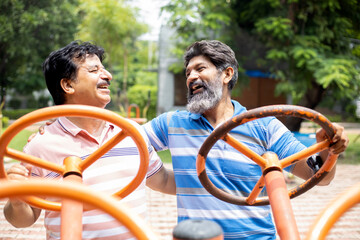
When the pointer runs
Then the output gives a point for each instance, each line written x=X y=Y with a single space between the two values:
x=211 y=72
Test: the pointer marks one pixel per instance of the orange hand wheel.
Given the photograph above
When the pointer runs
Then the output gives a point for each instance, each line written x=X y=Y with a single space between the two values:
x=222 y=131
x=333 y=211
x=78 y=167
x=81 y=193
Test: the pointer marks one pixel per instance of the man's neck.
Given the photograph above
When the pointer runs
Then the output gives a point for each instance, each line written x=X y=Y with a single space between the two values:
x=92 y=126
x=220 y=113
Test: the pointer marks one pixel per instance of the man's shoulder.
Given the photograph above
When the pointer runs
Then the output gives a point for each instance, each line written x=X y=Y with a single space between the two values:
x=173 y=115
x=52 y=134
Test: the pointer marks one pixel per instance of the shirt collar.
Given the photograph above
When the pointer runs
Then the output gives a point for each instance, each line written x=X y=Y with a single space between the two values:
x=74 y=130
x=238 y=108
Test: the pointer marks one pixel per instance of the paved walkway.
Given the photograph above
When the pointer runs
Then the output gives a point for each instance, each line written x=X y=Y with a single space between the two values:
x=162 y=211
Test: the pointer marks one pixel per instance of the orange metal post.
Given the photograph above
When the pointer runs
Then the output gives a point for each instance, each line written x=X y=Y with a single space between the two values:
x=71 y=211
x=279 y=199
x=79 y=192
x=137 y=117
x=137 y=109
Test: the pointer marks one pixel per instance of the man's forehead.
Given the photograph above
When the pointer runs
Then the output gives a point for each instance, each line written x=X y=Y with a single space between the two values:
x=91 y=61
x=197 y=60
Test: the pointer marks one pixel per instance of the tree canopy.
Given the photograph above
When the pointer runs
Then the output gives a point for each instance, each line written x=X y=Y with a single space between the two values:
x=29 y=31
x=312 y=46
x=113 y=25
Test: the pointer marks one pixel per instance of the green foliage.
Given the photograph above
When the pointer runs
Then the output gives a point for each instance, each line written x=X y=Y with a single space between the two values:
x=312 y=39
x=14 y=103
x=113 y=25
x=16 y=113
x=279 y=28
x=29 y=31
x=145 y=97
x=308 y=44
x=352 y=153
x=197 y=20
x=5 y=121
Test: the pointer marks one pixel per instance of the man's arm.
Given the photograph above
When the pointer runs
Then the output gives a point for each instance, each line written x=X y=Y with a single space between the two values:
x=162 y=181
x=340 y=143
x=18 y=213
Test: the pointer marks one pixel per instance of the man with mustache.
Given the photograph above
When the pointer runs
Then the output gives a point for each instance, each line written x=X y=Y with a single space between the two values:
x=211 y=73
x=75 y=74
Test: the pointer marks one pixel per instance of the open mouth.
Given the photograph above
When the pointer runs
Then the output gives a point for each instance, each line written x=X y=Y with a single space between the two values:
x=103 y=85
x=196 y=87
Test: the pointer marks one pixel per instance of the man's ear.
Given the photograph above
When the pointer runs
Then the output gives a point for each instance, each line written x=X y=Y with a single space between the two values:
x=229 y=73
x=66 y=85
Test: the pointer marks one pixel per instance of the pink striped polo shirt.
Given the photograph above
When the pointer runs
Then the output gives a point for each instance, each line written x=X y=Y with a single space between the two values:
x=108 y=174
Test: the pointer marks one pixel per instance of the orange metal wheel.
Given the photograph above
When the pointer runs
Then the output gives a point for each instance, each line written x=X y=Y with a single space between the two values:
x=332 y=212
x=128 y=129
x=222 y=131
x=81 y=193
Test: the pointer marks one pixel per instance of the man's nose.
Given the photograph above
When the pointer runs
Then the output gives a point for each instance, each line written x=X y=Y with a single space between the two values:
x=106 y=74
x=193 y=76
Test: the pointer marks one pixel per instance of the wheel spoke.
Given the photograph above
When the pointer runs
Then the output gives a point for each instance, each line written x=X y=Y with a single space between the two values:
x=245 y=150
x=21 y=156
x=251 y=199
x=304 y=154
x=70 y=167
x=102 y=150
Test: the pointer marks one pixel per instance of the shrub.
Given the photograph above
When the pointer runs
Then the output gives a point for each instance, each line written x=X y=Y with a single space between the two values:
x=16 y=113
x=5 y=122
x=138 y=94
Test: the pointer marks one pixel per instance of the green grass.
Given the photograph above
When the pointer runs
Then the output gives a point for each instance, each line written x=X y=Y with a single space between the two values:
x=352 y=153
x=20 y=140
x=165 y=156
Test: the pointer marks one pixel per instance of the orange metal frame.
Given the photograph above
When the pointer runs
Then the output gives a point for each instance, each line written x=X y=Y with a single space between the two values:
x=80 y=193
x=137 y=118
x=278 y=195
x=333 y=212
x=71 y=170
x=74 y=193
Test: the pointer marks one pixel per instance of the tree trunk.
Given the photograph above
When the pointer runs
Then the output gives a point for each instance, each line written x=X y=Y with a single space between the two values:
x=125 y=76
x=311 y=99
x=3 y=81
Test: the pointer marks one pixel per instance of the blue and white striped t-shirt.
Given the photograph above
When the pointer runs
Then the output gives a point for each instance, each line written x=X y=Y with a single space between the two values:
x=183 y=133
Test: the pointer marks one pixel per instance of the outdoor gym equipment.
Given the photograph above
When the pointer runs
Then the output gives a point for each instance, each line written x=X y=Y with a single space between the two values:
x=137 y=117
x=333 y=211
x=81 y=193
x=272 y=177
x=73 y=166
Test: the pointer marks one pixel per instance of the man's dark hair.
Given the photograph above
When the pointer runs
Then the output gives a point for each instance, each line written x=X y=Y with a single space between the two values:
x=63 y=63
x=220 y=54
